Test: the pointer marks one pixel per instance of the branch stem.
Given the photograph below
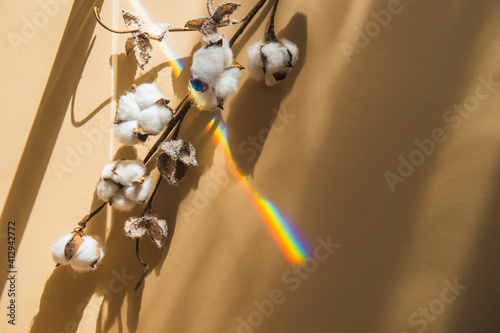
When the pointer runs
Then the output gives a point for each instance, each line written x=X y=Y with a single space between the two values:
x=180 y=112
x=246 y=21
x=270 y=35
x=146 y=266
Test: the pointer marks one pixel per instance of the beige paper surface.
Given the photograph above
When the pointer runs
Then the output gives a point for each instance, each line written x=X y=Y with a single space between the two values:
x=383 y=142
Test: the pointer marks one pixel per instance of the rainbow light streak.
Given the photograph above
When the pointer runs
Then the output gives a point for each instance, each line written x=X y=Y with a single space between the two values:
x=165 y=47
x=286 y=236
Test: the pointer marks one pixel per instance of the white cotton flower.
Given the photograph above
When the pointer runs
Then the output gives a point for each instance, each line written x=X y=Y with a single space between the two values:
x=271 y=61
x=228 y=53
x=228 y=82
x=58 y=248
x=87 y=255
x=154 y=119
x=255 y=61
x=139 y=192
x=209 y=63
x=146 y=95
x=129 y=171
x=125 y=132
x=109 y=171
x=292 y=48
x=107 y=189
x=128 y=109
x=120 y=202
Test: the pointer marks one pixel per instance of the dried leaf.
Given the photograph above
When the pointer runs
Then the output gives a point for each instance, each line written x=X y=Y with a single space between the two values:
x=210 y=7
x=208 y=25
x=224 y=10
x=196 y=23
x=72 y=246
x=139 y=42
x=157 y=229
x=129 y=44
x=132 y=20
x=177 y=156
x=135 y=227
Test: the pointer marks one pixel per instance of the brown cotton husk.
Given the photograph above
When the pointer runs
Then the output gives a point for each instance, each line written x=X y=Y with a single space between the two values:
x=175 y=159
x=72 y=245
x=139 y=42
x=157 y=230
x=208 y=25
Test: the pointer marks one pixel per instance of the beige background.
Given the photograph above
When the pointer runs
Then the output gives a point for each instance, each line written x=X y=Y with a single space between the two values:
x=349 y=119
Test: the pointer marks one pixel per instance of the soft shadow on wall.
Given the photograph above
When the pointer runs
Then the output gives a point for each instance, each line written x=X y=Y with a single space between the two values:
x=255 y=107
x=61 y=83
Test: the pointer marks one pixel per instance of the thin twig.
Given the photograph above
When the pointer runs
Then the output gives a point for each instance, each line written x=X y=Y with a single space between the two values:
x=142 y=263
x=83 y=223
x=246 y=21
x=270 y=35
x=98 y=18
x=186 y=105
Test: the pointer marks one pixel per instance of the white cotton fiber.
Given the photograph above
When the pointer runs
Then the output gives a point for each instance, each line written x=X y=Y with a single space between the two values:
x=129 y=171
x=138 y=192
x=146 y=95
x=87 y=255
x=228 y=82
x=154 y=119
x=293 y=48
x=228 y=53
x=106 y=189
x=205 y=101
x=124 y=132
x=276 y=56
x=208 y=63
x=128 y=109
x=120 y=202
x=58 y=249
x=255 y=62
x=107 y=171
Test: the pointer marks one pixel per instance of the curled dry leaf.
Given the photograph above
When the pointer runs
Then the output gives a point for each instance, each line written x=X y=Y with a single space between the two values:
x=175 y=159
x=136 y=227
x=208 y=25
x=139 y=42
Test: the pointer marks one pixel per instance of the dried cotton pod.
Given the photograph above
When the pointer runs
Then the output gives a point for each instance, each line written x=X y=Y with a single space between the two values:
x=175 y=159
x=136 y=227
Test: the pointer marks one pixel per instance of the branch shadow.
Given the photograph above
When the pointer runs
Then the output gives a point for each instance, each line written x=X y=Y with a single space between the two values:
x=256 y=107
x=66 y=70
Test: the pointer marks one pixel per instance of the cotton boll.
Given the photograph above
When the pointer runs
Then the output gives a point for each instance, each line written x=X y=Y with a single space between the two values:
x=107 y=171
x=209 y=63
x=138 y=192
x=146 y=95
x=120 y=202
x=228 y=53
x=58 y=248
x=255 y=62
x=228 y=82
x=128 y=109
x=294 y=50
x=154 y=119
x=205 y=101
x=124 y=132
x=129 y=171
x=106 y=189
x=273 y=78
x=276 y=57
x=87 y=255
